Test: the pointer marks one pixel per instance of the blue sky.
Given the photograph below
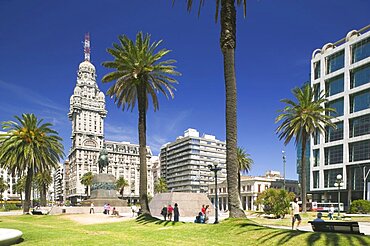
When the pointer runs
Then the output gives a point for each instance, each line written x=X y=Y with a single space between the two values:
x=41 y=47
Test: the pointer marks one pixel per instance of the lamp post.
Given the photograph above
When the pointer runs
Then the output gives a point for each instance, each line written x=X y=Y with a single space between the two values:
x=339 y=183
x=284 y=164
x=215 y=169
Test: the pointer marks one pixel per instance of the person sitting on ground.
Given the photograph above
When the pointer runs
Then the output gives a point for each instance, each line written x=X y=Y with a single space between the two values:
x=115 y=211
x=199 y=219
x=318 y=219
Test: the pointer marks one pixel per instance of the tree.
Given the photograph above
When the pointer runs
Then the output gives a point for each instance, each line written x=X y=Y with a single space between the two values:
x=20 y=186
x=160 y=186
x=29 y=146
x=139 y=74
x=228 y=44
x=301 y=120
x=3 y=187
x=43 y=181
x=244 y=164
x=121 y=183
x=86 y=180
x=275 y=201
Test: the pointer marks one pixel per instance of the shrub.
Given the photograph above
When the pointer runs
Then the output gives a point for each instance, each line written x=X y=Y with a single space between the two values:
x=10 y=206
x=360 y=207
x=276 y=201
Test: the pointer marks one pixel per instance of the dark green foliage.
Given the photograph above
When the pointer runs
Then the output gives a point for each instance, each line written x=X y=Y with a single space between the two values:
x=360 y=207
x=276 y=201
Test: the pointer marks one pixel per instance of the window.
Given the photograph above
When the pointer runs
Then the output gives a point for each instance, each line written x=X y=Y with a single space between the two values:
x=360 y=101
x=259 y=188
x=334 y=155
x=359 y=151
x=316 y=69
x=359 y=126
x=315 y=175
x=330 y=176
x=361 y=50
x=335 y=62
x=334 y=85
x=338 y=105
x=316 y=157
x=249 y=188
x=316 y=88
x=316 y=137
x=334 y=134
x=360 y=76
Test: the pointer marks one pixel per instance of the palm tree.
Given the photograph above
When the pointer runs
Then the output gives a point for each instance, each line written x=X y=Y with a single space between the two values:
x=43 y=181
x=160 y=186
x=139 y=74
x=228 y=44
x=29 y=146
x=244 y=164
x=300 y=120
x=121 y=183
x=86 y=180
x=20 y=186
x=3 y=187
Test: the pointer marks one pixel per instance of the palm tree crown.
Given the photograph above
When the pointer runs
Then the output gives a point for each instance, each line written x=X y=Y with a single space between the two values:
x=121 y=183
x=160 y=186
x=139 y=74
x=301 y=119
x=86 y=180
x=29 y=146
x=244 y=160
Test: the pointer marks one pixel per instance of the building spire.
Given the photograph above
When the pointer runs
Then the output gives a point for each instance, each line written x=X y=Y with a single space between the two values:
x=87 y=47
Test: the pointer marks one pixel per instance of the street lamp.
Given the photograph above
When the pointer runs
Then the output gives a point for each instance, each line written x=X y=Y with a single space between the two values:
x=339 y=183
x=215 y=169
x=284 y=163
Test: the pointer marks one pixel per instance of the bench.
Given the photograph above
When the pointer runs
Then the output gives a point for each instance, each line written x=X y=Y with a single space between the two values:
x=349 y=227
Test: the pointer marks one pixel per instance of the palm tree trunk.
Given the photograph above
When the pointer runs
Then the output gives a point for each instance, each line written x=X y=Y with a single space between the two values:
x=239 y=186
x=43 y=195
x=143 y=189
x=228 y=42
x=27 y=191
x=303 y=172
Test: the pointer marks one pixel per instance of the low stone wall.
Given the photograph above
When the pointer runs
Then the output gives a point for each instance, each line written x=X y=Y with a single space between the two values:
x=84 y=210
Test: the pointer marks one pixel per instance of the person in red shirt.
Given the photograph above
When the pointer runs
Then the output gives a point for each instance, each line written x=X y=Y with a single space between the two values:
x=203 y=210
x=169 y=212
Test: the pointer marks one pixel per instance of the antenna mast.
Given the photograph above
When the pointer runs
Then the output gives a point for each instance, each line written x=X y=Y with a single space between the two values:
x=87 y=47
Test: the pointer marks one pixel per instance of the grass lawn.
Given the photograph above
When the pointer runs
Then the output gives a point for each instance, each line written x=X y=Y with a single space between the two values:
x=57 y=230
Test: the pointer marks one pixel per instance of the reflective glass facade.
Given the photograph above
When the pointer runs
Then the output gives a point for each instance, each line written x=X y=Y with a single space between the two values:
x=335 y=85
x=359 y=151
x=360 y=101
x=330 y=176
x=338 y=105
x=359 y=126
x=360 y=76
x=316 y=179
x=334 y=134
x=361 y=50
x=335 y=62
x=317 y=70
x=316 y=157
x=334 y=155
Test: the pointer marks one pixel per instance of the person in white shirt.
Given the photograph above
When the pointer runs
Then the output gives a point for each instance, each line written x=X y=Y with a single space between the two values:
x=331 y=212
x=133 y=210
x=92 y=208
x=295 y=213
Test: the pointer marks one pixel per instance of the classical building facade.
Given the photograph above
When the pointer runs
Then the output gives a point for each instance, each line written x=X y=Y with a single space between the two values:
x=342 y=70
x=184 y=162
x=87 y=114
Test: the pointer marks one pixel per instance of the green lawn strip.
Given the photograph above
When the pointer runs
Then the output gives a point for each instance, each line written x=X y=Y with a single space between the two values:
x=56 y=230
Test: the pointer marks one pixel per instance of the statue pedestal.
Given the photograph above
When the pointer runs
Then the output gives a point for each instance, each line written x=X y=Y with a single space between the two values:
x=103 y=190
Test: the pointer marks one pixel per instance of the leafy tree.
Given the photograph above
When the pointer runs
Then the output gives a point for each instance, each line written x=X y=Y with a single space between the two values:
x=244 y=164
x=121 y=183
x=3 y=187
x=20 y=186
x=360 y=207
x=301 y=119
x=140 y=74
x=227 y=10
x=160 y=186
x=43 y=181
x=276 y=201
x=29 y=146
x=86 y=180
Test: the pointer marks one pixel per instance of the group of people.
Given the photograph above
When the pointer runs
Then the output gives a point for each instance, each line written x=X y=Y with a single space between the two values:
x=107 y=209
x=168 y=211
x=203 y=215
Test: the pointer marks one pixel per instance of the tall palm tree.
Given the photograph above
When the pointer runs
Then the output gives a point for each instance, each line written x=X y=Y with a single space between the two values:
x=160 y=186
x=43 y=181
x=86 y=180
x=3 y=187
x=29 y=146
x=244 y=164
x=228 y=44
x=121 y=183
x=20 y=186
x=139 y=74
x=300 y=119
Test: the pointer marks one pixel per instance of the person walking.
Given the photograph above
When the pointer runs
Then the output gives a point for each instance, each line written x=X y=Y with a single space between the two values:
x=295 y=213
x=105 y=208
x=176 y=213
x=206 y=212
x=134 y=210
x=92 y=208
x=164 y=212
x=108 y=208
x=169 y=212
x=331 y=212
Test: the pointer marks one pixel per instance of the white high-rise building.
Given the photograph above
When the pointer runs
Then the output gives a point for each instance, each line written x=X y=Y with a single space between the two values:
x=342 y=70
x=87 y=113
x=184 y=162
